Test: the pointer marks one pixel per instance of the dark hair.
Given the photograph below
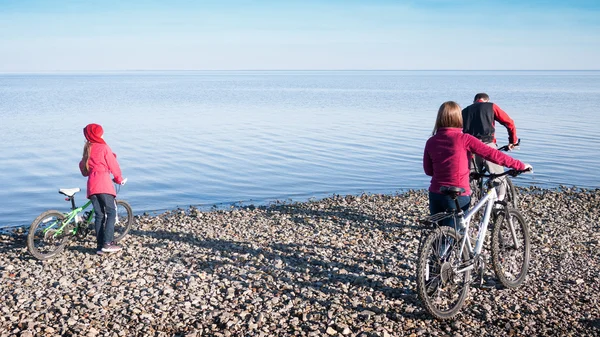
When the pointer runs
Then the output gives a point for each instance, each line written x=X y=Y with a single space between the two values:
x=481 y=95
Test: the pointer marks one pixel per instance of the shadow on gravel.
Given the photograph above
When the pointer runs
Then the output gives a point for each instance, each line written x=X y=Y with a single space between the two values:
x=281 y=261
x=12 y=242
x=593 y=323
x=79 y=247
x=341 y=214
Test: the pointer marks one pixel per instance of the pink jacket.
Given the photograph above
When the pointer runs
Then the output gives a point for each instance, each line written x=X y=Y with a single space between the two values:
x=446 y=158
x=101 y=164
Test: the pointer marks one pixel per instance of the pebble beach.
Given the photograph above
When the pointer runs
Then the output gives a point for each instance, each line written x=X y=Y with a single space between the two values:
x=340 y=266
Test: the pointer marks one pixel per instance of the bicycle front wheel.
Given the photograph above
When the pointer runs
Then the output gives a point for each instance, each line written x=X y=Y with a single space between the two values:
x=511 y=193
x=440 y=286
x=47 y=236
x=510 y=248
x=124 y=220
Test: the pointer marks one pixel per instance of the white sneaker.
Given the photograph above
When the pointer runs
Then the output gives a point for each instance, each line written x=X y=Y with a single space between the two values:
x=111 y=248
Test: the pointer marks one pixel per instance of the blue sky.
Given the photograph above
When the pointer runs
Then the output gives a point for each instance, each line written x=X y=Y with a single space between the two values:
x=39 y=36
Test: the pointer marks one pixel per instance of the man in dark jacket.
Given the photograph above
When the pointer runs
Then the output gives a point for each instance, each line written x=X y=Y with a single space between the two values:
x=479 y=120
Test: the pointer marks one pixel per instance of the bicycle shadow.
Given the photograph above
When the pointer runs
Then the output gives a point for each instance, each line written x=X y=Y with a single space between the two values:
x=332 y=275
x=279 y=260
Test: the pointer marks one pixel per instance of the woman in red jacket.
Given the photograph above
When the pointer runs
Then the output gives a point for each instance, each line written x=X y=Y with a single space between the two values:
x=446 y=158
x=98 y=163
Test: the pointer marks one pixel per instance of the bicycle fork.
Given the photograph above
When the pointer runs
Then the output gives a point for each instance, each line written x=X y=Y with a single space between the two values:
x=512 y=230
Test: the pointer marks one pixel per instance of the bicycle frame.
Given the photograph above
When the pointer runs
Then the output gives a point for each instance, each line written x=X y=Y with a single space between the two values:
x=72 y=215
x=488 y=201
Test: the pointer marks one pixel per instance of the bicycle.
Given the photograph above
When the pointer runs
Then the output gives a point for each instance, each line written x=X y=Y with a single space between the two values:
x=477 y=183
x=447 y=255
x=52 y=230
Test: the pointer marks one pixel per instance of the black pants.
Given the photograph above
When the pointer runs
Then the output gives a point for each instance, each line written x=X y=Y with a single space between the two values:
x=440 y=203
x=105 y=208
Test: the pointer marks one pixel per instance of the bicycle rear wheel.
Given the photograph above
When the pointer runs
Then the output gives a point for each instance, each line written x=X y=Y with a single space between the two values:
x=46 y=238
x=441 y=289
x=510 y=254
x=124 y=220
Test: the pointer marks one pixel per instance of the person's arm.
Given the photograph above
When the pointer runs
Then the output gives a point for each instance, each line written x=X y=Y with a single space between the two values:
x=476 y=146
x=113 y=165
x=427 y=163
x=504 y=119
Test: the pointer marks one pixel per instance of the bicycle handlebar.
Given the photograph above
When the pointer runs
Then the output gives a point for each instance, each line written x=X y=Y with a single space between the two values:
x=123 y=182
x=505 y=147
x=511 y=172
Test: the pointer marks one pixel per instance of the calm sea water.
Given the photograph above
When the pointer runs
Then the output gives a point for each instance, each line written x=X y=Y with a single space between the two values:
x=206 y=138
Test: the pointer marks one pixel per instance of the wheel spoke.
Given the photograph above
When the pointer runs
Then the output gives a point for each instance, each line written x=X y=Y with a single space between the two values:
x=48 y=235
x=443 y=291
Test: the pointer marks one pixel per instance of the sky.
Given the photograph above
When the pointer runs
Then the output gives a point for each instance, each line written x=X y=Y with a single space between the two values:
x=109 y=35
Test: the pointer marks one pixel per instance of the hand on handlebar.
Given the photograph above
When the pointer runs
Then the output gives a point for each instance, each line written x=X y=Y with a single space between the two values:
x=510 y=146
x=528 y=169
x=121 y=183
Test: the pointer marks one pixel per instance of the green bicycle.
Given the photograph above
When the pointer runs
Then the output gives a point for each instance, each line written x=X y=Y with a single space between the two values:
x=50 y=232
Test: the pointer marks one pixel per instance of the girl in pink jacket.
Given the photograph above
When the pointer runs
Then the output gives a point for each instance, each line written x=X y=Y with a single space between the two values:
x=98 y=163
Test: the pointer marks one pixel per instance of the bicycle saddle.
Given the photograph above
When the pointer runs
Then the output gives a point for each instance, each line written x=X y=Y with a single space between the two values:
x=69 y=192
x=452 y=191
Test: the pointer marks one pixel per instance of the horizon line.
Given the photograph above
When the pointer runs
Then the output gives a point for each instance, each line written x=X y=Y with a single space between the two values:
x=270 y=70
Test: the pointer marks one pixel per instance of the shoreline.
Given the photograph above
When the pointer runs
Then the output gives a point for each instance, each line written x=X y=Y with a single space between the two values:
x=269 y=202
x=338 y=266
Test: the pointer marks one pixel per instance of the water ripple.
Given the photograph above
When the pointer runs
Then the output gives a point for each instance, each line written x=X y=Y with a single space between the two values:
x=204 y=138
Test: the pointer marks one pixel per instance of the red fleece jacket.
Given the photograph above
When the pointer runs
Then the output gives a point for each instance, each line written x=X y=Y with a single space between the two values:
x=101 y=164
x=446 y=158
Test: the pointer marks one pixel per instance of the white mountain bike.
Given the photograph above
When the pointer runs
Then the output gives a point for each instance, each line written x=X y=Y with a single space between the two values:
x=448 y=255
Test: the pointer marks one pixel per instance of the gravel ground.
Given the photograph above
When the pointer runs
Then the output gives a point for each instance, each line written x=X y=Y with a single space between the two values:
x=341 y=266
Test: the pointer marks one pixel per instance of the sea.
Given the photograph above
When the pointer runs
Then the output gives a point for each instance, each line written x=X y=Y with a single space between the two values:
x=220 y=139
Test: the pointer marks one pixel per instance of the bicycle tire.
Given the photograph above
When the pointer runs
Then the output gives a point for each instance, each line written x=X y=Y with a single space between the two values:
x=425 y=283
x=511 y=193
x=38 y=235
x=124 y=220
x=510 y=266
